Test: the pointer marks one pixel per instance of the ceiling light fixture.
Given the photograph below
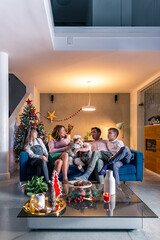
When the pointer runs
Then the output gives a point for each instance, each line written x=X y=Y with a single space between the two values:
x=89 y=107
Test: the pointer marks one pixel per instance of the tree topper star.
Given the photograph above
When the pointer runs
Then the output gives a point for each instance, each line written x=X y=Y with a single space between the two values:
x=29 y=101
x=51 y=115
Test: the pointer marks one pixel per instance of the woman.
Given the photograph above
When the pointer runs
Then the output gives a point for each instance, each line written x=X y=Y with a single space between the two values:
x=58 y=144
x=38 y=155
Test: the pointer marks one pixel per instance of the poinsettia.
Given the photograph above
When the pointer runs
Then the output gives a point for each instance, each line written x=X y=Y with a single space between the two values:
x=70 y=127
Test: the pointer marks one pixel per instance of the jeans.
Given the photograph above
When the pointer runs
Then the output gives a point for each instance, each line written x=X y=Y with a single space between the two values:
x=123 y=156
x=99 y=166
x=41 y=167
x=96 y=155
x=98 y=159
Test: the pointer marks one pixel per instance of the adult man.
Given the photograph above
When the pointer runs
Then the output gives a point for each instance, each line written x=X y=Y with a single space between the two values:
x=98 y=145
x=99 y=157
x=116 y=154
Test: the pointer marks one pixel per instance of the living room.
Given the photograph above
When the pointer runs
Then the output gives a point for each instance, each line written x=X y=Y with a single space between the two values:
x=61 y=73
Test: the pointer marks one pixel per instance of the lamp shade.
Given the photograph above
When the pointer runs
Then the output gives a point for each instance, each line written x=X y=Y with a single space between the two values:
x=88 y=108
x=119 y=125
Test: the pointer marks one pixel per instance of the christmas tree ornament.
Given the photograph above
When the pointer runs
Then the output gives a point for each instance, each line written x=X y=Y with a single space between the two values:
x=29 y=101
x=51 y=115
x=56 y=184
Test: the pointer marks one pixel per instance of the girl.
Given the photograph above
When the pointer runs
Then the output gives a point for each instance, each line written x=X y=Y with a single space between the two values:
x=38 y=155
x=58 y=144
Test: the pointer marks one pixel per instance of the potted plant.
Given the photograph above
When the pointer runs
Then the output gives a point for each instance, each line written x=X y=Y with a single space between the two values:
x=35 y=185
x=68 y=130
x=88 y=134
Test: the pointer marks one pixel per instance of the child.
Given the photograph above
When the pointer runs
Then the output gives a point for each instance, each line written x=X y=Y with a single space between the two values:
x=38 y=155
x=80 y=152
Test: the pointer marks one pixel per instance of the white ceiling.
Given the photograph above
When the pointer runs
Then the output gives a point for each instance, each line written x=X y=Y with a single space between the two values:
x=25 y=36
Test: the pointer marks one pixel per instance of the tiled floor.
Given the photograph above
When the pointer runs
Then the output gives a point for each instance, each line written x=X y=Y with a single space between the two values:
x=12 y=199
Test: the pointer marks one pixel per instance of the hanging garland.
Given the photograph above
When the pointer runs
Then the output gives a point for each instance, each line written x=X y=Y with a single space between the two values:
x=60 y=120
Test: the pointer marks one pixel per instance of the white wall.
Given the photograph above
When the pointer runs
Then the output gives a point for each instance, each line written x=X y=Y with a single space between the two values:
x=36 y=99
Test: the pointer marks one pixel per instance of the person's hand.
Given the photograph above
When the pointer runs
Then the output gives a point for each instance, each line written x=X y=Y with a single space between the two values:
x=110 y=158
x=76 y=150
x=67 y=148
x=44 y=158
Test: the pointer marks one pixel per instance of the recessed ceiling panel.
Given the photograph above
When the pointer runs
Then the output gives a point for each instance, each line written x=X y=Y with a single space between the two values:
x=106 y=12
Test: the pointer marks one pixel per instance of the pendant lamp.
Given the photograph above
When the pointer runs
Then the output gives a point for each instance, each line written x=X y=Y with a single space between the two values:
x=89 y=107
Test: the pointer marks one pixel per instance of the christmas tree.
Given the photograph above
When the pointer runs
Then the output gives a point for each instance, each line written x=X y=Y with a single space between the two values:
x=28 y=119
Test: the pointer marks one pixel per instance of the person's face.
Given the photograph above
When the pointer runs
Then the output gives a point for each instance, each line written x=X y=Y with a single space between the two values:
x=79 y=142
x=95 y=134
x=62 y=132
x=34 y=134
x=111 y=135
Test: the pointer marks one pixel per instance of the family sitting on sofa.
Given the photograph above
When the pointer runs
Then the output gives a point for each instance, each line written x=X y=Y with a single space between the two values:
x=98 y=155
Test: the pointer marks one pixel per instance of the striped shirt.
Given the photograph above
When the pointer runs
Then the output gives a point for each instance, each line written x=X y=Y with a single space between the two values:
x=99 y=145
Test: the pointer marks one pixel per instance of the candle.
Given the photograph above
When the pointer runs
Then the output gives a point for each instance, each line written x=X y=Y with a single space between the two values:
x=106 y=197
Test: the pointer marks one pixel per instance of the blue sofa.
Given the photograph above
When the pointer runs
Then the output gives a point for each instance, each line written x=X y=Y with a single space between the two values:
x=128 y=172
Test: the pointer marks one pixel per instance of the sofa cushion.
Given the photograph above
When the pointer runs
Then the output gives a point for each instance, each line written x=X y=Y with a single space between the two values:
x=127 y=169
x=73 y=172
x=128 y=177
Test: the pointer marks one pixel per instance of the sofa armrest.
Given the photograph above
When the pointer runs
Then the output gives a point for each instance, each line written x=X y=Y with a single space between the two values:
x=23 y=158
x=138 y=162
